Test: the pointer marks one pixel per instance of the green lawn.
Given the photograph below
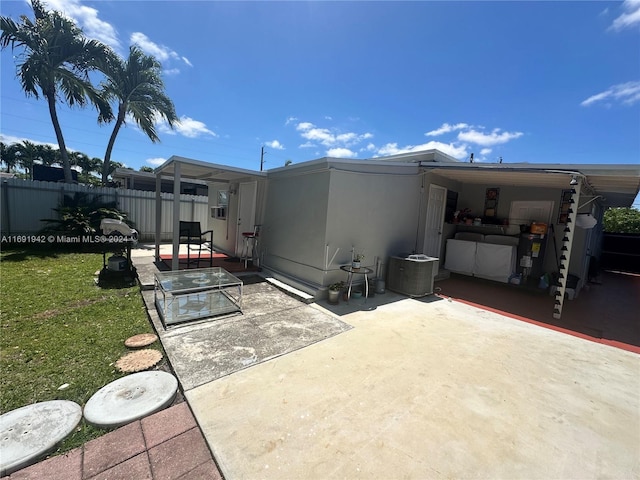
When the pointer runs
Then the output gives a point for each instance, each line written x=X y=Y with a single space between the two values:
x=57 y=327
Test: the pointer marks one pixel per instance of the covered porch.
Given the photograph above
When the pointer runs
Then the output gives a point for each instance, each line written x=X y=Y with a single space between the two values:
x=236 y=199
x=569 y=200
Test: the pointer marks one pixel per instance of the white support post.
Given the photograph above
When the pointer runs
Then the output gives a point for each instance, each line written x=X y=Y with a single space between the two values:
x=158 y=214
x=565 y=251
x=175 y=256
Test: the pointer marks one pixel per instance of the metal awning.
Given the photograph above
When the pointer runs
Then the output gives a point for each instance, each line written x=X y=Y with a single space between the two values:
x=617 y=184
x=205 y=171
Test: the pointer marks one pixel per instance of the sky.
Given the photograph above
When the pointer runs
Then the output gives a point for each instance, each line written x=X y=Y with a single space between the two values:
x=538 y=82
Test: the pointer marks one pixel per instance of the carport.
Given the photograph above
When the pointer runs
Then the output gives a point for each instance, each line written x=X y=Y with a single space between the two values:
x=186 y=168
x=592 y=189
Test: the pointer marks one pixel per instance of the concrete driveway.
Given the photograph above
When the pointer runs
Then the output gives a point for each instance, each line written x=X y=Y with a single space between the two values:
x=429 y=390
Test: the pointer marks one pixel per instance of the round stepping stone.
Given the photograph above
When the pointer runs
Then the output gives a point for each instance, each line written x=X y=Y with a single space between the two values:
x=29 y=432
x=139 y=360
x=130 y=398
x=140 y=340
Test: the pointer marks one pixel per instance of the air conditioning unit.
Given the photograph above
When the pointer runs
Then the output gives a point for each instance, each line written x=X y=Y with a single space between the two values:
x=412 y=275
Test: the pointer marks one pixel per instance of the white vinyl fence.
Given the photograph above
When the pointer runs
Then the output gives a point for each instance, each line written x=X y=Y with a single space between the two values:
x=24 y=203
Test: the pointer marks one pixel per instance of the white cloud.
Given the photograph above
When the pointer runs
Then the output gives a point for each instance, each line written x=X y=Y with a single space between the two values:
x=625 y=93
x=369 y=148
x=186 y=126
x=87 y=18
x=171 y=71
x=446 y=128
x=486 y=140
x=456 y=151
x=9 y=139
x=290 y=120
x=156 y=162
x=486 y=151
x=629 y=18
x=161 y=52
x=329 y=138
x=275 y=144
x=192 y=128
x=306 y=145
x=340 y=152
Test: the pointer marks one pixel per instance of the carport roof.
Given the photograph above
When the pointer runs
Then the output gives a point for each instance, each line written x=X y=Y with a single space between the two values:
x=206 y=171
x=618 y=184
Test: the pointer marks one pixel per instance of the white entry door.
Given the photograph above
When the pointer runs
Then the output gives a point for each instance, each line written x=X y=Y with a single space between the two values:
x=435 y=220
x=246 y=212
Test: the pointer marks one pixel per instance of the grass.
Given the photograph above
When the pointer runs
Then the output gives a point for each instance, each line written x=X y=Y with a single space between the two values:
x=57 y=327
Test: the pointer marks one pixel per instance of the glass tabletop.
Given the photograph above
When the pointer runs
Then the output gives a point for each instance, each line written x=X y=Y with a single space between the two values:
x=362 y=270
x=196 y=279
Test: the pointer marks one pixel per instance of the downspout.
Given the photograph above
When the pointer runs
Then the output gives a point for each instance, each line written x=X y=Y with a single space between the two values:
x=420 y=203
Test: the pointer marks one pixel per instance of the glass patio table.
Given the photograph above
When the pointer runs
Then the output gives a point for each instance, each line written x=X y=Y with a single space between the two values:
x=183 y=296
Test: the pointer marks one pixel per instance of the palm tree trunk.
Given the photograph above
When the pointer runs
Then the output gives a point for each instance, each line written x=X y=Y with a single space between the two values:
x=51 y=100
x=112 y=140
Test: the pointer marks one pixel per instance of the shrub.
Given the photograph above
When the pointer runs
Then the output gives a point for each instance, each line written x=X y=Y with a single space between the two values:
x=622 y=220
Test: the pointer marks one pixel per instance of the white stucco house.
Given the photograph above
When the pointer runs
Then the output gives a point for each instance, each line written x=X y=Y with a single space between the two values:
x=315 y=215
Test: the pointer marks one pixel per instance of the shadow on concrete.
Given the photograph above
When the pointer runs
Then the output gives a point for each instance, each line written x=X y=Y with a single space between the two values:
x=372 y=303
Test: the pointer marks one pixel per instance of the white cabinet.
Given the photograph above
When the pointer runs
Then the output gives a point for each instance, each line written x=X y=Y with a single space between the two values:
x=489 y=258
x=460 y=256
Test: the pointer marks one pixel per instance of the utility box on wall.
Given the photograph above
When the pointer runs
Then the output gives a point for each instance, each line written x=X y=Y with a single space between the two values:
x=412 y=275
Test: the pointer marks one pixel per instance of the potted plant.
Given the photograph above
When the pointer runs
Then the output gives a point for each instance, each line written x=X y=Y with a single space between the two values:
x=357 y=261
x=334 y=292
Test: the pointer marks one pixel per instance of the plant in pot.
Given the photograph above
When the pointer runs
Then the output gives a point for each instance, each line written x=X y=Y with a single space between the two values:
x=334 y=292
x=357 y=261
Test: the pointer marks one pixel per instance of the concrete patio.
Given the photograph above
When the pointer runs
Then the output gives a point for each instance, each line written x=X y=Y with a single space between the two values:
x=391 y=388
x=428 y=388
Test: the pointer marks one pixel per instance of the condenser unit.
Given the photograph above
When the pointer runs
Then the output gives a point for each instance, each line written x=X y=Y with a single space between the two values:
x=412 y=275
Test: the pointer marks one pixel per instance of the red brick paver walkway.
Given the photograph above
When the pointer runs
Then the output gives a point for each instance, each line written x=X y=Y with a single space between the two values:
x=165 y=446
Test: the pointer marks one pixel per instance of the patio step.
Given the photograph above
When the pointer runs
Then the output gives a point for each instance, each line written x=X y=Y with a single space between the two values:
x=294 y=292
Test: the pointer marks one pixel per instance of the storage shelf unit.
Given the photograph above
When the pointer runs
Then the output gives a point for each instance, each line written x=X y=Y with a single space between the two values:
x=412 y=276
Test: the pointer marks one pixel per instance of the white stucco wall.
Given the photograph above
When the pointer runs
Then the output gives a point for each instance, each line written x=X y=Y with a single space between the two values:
x=293 y=234
x=330 y=206
x=374 y=213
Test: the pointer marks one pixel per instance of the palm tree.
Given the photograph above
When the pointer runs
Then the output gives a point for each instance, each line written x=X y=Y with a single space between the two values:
x=56 y=61
x=86 y=164
x=8 y=155
x=27 y=153
x=136 y=84
x=49 y=156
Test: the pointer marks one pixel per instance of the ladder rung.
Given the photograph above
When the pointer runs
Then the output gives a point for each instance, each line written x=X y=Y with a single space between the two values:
x=564 y=248
x=562 y=267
